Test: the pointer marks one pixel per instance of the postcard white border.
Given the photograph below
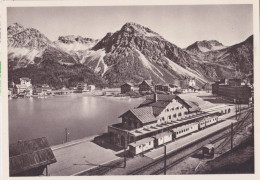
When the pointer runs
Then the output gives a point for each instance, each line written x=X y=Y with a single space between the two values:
x=4 y=130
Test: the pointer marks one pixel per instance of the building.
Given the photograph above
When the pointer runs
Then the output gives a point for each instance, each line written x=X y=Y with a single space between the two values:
x=82 y=86
x=126 y=88
x=146 y=86
x=233 y=91
x=165 y=88
x=91 y=87
x=234 y=82
x=207 y=87
x=157 y=109
x=239 y=94
x=190 y=89
x=30 y=158
x=25 y=86
x=188 y=82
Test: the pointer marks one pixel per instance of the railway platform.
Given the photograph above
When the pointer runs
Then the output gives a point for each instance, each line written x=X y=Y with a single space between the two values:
x=184 y=141
x=78 y=156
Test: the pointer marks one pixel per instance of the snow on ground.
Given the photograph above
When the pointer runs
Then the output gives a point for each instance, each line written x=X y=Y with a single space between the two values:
x=149 y=65
x=75 y=46
x=20 y=53
x=95 y=56
x=184 y=71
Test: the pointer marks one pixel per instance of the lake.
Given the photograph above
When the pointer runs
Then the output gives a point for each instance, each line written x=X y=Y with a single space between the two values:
x=82 y=115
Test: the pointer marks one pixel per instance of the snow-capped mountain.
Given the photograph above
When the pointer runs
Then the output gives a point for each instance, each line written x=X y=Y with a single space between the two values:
x=28 y=46
x=75 y=43
x=205 y=46
x=131 y=54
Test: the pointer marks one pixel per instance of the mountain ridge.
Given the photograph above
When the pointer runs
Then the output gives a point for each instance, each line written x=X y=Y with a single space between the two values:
x=131 y=54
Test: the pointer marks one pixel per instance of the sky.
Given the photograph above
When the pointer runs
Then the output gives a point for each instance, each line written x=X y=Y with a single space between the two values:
x=182 y=25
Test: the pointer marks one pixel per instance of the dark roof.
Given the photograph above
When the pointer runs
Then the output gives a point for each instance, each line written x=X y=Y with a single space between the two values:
x=25 y=155
x=130 y=84
x=140 y=142
x=148 y=82
x=25 y=78
x=163 y=100
x=144 y=114
x=193 y=106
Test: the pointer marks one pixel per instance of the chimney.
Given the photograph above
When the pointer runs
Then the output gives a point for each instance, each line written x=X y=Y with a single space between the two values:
x=155 y=98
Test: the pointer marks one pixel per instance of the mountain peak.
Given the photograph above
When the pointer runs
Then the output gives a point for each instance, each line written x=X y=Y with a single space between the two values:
x=14 y=29
x=137 y=29
x=205 y=46
x=72 y=38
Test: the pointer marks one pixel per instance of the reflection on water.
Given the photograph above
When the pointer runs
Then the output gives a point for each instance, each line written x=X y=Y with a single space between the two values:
x=82 y=115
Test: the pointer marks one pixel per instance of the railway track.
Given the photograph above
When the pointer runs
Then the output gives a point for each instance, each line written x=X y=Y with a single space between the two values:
x=178 y=160
x=227 y=135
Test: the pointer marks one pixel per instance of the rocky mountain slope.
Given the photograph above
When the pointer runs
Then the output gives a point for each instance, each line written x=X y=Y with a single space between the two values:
x=205 y=46
x=32 y=54
x=131 y=54
x=235 y=60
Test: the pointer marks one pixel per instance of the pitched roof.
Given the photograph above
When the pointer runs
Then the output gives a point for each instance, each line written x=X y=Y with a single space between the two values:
x=162 y=101
x=140 y=142
x=25 y=155
x=144 y=114
x=130 y=84
x=148 y=82
x=193 y=106
x=25 y=78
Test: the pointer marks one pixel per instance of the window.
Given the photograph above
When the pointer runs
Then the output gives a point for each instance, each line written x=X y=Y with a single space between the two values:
x=163 y=118
x=167 y=110
x=172 y=109
x=149 y=143
x=179 y=114
x=177 y=108
x=174 y=115
x=169 y=117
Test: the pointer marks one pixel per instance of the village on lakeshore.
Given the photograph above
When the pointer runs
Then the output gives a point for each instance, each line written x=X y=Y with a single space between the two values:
x=186 y=85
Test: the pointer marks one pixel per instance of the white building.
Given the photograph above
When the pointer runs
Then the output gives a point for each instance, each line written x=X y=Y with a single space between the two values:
x=91 y=87
x=25 y=86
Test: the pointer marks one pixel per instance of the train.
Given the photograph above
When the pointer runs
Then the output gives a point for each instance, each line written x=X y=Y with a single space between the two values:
x=180 y=130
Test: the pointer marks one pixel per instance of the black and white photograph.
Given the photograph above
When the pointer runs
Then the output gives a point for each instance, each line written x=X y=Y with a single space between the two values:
x=149 y=89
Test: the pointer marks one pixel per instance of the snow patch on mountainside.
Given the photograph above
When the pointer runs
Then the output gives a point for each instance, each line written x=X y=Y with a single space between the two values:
x=75 y=46
x=149 y=65
x=184 y=71
x=22 y=53
x=90 y=56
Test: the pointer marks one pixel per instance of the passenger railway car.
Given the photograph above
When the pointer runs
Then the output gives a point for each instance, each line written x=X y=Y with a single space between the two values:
x=162 y=138
x=141 y=146
x=184 y=130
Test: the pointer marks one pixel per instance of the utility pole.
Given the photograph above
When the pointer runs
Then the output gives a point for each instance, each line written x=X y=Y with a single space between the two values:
x=253 y=121
x=124 y=158
x=231 y=139
x=66 y=135
x=164 y=159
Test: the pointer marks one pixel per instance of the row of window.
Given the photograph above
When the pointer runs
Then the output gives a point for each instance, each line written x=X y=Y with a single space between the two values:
x=175 y=115
x=172 y=109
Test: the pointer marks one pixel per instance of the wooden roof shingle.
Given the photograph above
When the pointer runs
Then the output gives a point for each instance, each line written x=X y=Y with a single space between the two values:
x=25 y=155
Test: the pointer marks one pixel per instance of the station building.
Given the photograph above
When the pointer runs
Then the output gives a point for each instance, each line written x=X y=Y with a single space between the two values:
x=150 y=118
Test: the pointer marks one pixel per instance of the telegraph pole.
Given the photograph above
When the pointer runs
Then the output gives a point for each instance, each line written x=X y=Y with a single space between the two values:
x=231 y=139
x=164 y=159
x=66 y=135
